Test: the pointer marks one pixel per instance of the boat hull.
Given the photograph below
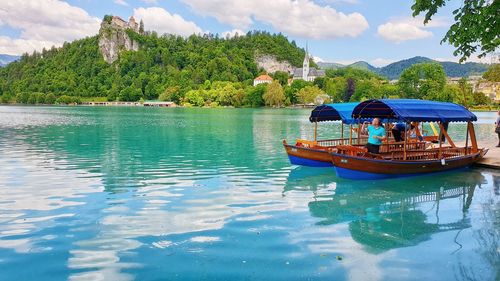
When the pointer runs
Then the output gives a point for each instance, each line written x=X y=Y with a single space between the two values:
x=308 y=156
x=353 y=167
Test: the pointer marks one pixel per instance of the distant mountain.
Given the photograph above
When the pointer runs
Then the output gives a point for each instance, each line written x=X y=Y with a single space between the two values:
x=330 y=65
x=394 y=70
x=6 y=59
x=364 y=66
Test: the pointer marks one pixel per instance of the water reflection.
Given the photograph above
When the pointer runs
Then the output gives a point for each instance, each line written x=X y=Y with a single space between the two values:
x=390 y=214
x=112 y=194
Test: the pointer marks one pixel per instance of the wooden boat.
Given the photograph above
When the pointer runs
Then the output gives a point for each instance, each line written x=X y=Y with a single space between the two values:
x=316 y=153
x=413 y=159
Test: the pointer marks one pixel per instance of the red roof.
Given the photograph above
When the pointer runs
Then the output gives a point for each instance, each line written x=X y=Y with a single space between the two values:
x=264 y=77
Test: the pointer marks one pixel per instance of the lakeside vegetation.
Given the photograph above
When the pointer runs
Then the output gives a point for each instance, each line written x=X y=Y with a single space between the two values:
x=209 y=71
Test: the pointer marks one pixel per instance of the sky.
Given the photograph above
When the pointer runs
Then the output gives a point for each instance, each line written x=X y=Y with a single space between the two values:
x=343 y=31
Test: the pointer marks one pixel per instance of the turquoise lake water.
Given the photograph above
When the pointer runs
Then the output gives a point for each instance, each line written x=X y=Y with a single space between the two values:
x=90 y=193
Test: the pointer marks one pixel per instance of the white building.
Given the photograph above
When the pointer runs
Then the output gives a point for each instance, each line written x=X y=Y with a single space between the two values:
x=307 y=73
x=264 y=78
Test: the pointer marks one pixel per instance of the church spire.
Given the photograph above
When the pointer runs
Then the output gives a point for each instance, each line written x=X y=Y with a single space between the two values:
x=305 y=65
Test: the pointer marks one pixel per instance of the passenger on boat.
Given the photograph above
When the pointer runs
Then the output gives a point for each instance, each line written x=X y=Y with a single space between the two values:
x=397 y=130
x=376 y=134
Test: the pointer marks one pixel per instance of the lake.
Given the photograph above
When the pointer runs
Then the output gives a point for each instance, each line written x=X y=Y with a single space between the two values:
x=93 y=193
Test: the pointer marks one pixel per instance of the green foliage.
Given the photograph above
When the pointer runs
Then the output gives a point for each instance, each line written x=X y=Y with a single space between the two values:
x=480 y=99
x=476 y=25
x=308 y=94
x=274 y=95
x=171 y=94
x=493 y=73
x=254 y=95
x=335 y=88
x=195 y=97
x=423 y=81
x=162 y=62
x=107 y=18
x=349 y=72
x=68 y=100
x=282 y=77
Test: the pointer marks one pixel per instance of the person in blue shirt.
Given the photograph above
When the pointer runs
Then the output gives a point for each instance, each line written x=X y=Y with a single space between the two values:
x=376 y=134
x=397 y=129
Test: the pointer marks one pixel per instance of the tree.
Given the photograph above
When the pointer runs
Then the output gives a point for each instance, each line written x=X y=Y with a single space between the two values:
x=308 y=94
x=282 y=77
x=50 y=98
x=465 y=92
x=254 y=95
x=493 y=73
x=422 y=81
x=480 y=99
x=274 y=95
x=476 y=25
x=350 y=89
x=335 y=88
x=171 y=94
x=195 y=97
x=320 y=82
x=141 y=27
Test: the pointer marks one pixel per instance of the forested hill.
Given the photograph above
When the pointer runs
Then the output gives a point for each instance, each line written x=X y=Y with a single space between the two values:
x=452 y=69
x=394 y=70
x=78 y=68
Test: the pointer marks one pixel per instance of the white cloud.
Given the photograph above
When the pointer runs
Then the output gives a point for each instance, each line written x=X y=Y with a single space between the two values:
x=43 y=23
x=121 y=2
x=398 y=30
x=161 y=21
x=302 y=18
x=11 y=46
x=351 y=2
x=233 y=33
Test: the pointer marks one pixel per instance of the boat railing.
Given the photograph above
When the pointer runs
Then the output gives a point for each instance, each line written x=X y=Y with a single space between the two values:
x=327 y=143
x=428 y=154
x=399 y=146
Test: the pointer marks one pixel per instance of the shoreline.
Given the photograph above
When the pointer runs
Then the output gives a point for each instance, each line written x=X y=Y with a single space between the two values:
x=174 y=105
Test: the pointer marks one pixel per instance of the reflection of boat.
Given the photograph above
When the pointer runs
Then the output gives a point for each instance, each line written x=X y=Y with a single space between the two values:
x=308 y=178
x=316 y=153
x=356 y=163
x=389 y=214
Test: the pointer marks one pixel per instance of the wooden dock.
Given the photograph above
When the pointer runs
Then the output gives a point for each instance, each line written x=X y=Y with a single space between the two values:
x=492 y=158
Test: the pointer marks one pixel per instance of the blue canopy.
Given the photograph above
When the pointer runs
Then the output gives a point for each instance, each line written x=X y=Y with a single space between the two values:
x=413 y=110
x=334 y=112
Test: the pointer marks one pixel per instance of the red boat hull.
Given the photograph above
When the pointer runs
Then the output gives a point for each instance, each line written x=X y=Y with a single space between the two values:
x=355 y=167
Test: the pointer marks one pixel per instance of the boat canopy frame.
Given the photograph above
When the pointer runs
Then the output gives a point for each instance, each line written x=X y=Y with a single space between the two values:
x=412 y=110
x=334 y=112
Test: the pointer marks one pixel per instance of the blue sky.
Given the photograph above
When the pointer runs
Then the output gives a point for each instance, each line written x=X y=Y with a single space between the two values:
x=377 y=31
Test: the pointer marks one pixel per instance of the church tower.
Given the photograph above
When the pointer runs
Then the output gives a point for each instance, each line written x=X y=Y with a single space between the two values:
x=305 y=66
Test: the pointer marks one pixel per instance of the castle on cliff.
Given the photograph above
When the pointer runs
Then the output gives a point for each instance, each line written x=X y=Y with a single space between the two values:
x=119 y=22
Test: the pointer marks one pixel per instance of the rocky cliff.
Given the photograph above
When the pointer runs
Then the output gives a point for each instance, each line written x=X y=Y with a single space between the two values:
x=113 y=38
x=270 y=64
